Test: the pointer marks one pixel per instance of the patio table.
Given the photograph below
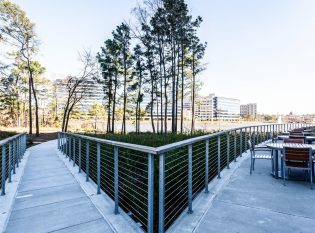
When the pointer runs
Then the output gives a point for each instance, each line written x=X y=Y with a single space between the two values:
x=276 y=147
x=308 y=130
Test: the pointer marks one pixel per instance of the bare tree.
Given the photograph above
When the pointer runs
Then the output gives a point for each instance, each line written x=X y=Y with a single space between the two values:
x=77 y=86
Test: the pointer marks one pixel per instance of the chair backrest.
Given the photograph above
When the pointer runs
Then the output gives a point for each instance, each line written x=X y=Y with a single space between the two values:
x=294 y=140
x=297 y=137
x=298 y=155
x=296 y=133
x=250 y=145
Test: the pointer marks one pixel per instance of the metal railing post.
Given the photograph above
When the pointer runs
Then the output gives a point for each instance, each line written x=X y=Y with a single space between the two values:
x=19 y=149
x=161 y=192
x=234 y=145
x=58 y=141
x=63 y=144
x=190 y=211
x=150 y=193
x=25 y=139
x=3 y=171
x=67 y=144
x=207 y=167
x=246 y=140
x=10 y=161
x=241 y=142
x=13 y=156
x=98 y=168
x=219 y=157
x=257 y=135
x=273 y=132
x=264 y=133
x=87 y=163
x=116 y=178
x=228 y=150
x=73 y=152
x=16 y=152
x=70 y=150
x=80 y=156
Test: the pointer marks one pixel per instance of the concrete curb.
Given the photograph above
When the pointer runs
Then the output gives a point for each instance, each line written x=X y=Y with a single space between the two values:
x=120 y=223
x=7 y=201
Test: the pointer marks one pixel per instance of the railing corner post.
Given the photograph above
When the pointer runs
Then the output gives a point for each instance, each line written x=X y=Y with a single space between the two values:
x=190 y=211
x=161 y=192
x=116 y=181
x=150 y=193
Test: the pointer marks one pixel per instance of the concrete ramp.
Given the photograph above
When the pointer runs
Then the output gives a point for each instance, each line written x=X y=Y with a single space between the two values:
x=49 y=198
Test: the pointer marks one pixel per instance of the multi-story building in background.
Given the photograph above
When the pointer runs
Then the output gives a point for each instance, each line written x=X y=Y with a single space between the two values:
x=226 y=109
x=207 y=108
x=249 y=110
x=92 y=89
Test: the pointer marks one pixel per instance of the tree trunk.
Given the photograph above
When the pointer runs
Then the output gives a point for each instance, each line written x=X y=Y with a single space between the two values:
x=30 y=131
x=176 y=89
x=193 y=96
x=125 y=93
x=152 y=101
x=36 y=110
x=182 y=86
x=173 y=87
x=114 y=105
x=65 y=112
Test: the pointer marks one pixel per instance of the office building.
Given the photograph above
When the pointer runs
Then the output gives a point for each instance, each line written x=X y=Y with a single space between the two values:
x=93 y=92
x=249 y=110
x=226 y=109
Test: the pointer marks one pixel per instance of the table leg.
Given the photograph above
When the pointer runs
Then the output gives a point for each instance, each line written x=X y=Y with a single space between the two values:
x=276 y=164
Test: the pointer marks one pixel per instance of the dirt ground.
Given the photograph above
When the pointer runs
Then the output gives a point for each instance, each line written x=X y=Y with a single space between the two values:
x=43 y=137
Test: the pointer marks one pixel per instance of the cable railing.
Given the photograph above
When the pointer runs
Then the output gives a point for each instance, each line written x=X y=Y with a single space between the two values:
x=11 y=152
x=155 y=185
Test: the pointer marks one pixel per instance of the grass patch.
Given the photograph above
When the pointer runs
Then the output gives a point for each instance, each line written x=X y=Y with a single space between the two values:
x=149 y=139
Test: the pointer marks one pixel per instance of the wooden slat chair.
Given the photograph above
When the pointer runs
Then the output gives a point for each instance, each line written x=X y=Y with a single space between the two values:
x=296 y=134
x=298 y=137
x=294 y=140
x=298 y=158
x=268 y=154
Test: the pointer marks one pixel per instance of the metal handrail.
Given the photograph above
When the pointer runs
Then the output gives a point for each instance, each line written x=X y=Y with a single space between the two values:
x=11 y=157
x=168 y=147
x=6 y=140
x=145 y=149
x=236 y=138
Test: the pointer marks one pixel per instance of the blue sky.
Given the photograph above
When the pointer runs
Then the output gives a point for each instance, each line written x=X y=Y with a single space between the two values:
x=258 y=50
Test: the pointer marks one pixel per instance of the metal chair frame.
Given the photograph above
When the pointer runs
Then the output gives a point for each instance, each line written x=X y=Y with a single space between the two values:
x=253 y=155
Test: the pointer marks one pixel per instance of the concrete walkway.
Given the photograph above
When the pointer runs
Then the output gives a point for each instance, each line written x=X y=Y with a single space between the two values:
x=49 y=199
x=256 y=203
